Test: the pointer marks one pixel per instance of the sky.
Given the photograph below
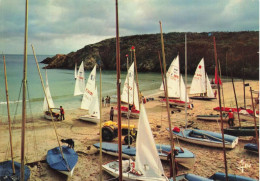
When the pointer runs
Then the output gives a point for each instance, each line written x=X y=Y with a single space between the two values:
x=63 y=26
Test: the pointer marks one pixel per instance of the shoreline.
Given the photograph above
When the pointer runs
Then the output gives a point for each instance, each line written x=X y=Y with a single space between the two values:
x=40 y=137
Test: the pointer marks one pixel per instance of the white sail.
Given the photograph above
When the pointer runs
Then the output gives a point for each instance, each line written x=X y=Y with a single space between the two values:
x=129 y=87
x=75 y=72
x=48 y=94
x=80 y=81
x=182 y=91
x=89 y=90
x=147 y=159
x=209 y=88
x=94 y=105
x=198 y=84
x=173 y=75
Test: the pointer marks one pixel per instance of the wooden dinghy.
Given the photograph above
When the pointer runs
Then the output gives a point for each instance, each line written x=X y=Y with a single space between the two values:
x=184 y=157
x=64 y=165
x=206 y=138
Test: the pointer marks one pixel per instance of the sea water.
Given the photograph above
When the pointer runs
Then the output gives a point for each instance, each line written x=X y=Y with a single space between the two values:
x=61 y=83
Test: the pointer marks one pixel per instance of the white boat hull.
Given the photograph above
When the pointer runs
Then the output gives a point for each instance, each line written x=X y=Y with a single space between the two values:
x=89 y=118
x=208 y=143
x=113 y=169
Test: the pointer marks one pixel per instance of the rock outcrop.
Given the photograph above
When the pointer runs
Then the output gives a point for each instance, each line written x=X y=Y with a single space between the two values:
x=237 y=52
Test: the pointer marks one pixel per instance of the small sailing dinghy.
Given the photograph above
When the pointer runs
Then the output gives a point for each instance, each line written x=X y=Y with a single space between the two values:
x=47 y=112
x=90 y=99
x=64 y=164
x=80 y=81
x=184 y=157
x=147 y=165
x=176 y=86
x=94 y=114
x=206 y=138
x=130 y=90
x=200 y=84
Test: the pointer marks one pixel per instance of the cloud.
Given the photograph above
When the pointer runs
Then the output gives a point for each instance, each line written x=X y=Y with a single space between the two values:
x=62 y=26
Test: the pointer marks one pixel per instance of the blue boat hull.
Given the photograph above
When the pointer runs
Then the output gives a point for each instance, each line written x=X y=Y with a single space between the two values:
x=56 y=162
x=222 y=177
x=6 y=171
x=185 y=157
x=206 y=138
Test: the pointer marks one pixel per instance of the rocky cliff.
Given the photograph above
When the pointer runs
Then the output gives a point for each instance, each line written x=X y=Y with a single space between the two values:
x=237 y=53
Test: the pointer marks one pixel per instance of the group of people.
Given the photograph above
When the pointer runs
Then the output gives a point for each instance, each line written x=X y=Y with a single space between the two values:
x=106 y=102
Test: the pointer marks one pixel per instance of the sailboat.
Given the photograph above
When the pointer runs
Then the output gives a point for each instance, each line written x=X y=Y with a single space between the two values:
x=94 y=114
x=131 y=88
x=200 y=84
x=47 y=112
x=185 y=157
x=80 y=81
x=10 y=170
x=90 y=99
x=62 y=158
x=176 y=86
x=147 y=165
x=206 y=138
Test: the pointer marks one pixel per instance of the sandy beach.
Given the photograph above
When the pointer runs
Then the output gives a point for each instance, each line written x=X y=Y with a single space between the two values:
x=40 y=137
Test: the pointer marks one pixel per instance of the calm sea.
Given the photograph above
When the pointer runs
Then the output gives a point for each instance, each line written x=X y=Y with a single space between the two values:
x=61 y=83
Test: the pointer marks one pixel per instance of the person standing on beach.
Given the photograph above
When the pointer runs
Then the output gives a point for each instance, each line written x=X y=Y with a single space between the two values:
x=215 y=93
x=62 y=112
x=111 y=113
x=230 y=118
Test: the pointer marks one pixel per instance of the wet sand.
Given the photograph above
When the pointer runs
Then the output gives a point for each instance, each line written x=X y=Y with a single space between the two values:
x=40 y=137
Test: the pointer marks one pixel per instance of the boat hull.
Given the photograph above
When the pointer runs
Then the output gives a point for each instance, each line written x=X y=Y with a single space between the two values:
x=56 y=162
x=251 y=147
x=206 y=138
x=6 y=171
x=202 y=98
x=186 y=158
x=113 y=169
x=241 y=131
x=212 y=117
x=89 y=118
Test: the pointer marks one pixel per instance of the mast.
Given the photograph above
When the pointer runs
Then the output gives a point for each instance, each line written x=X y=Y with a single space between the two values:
x=118 y=95
x=100 y=124
x=128 y=133
x=221 y=116
x=167 y=106
x=137 y=84
x=24 y=91
x=54 y=125
x=236 y=101
x=185 y=81
x=256 y=132
x=9 y=118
